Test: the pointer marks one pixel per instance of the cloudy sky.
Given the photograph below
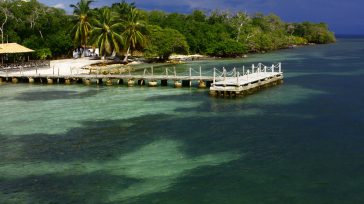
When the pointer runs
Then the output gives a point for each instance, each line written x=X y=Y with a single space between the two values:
x=343 y=16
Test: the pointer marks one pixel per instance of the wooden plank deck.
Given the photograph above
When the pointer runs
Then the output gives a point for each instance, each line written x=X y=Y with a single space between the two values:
x=258 y=77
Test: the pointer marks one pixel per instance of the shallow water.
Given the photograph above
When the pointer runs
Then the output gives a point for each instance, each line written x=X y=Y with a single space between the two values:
x=300 y=142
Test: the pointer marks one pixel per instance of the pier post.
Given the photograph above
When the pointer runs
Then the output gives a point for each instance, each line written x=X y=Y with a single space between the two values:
x=67 y=81
x=280 y=67
x=224 y=72
x=272 y=68
x=14 y=80
x=252 y=68
x=214 y=80
x=87 y=82
x=152 y=83
x=130 y=82
x=200 y=73
x=201 y=84
x=108 y=82
x=237 y=79
x=49 y=81
x=190 y=72
x=177 y=84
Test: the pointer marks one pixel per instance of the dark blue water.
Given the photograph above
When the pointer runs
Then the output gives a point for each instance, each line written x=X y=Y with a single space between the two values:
x=300 y=142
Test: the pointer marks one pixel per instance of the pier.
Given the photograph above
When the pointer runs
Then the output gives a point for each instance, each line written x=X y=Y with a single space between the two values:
x=236 y=84
x=221 y=83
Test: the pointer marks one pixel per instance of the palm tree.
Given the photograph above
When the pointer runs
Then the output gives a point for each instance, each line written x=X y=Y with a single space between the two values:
x=105 y=32
x=82 y=28
x=133 y=31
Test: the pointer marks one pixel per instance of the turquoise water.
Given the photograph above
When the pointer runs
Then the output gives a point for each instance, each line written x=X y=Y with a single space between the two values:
x=300 y=142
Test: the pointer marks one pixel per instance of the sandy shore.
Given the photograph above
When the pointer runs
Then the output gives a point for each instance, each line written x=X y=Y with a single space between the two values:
x=186 y=57
x=65 y=67
x=74 y=66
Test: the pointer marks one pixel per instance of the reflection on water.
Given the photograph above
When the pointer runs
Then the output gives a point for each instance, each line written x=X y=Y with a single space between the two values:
x=299 y=142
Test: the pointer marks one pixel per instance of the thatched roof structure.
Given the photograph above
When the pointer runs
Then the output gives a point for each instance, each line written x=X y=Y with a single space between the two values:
x=11 y=48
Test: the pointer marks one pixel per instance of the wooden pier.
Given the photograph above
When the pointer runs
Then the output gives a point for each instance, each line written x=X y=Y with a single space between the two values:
x=220 y=83
x=235 y=84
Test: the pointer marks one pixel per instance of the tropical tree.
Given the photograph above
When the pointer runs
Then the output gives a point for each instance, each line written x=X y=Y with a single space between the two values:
x=82 y=28
x=5 y=13
x=164 y=42
x=123 y=8
x=133 y=32
x=239 y=20
x=105 y=31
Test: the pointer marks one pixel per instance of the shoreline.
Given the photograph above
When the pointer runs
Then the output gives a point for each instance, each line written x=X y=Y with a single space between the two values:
x=83 y=65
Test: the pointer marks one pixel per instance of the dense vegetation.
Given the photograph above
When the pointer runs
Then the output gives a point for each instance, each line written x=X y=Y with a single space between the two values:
x=122 y=28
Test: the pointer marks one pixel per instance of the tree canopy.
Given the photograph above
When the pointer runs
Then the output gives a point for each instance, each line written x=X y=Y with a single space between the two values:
x=154 y=33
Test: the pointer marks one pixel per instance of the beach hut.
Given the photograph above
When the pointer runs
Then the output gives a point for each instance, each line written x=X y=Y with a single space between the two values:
x=12 y=48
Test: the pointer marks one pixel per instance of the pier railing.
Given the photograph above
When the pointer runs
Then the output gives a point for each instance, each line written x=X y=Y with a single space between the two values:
x=225 y=76
x=215 y=77
x=24 y=66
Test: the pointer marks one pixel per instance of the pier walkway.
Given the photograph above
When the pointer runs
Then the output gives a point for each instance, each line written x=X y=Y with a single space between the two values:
x=235 y=82
x=253 y=79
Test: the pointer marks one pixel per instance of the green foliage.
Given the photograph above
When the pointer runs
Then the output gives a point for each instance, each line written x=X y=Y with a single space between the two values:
x=227 y=48
x=218 y=33
x=105 y=31
x=133 y=31
x=37 y=26
x=295 y=40
x=60 y=43
x=43 y=53
x=314 y=33
x=82 y=28
x=164 y=42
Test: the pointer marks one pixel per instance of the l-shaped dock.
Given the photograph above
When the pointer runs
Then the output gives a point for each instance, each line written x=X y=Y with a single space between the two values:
x=221 y=83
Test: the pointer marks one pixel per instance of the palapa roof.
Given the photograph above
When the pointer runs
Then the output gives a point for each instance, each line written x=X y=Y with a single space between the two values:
x=10 y=48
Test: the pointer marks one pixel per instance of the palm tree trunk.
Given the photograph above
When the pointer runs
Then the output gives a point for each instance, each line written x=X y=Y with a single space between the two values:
x=126 y=55
x=84 y=48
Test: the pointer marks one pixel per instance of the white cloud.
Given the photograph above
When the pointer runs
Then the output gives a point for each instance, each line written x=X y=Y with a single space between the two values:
x=61 y=6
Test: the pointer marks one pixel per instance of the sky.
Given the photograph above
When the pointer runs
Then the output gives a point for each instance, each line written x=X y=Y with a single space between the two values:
x=342 y=16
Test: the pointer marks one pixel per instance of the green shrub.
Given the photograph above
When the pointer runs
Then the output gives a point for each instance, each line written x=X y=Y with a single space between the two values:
x=43 y=53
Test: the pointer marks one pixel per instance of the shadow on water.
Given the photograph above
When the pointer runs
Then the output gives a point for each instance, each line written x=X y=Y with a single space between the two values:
x=278 y=151
x=282 y=158
x=55 y=95
x=57 y=188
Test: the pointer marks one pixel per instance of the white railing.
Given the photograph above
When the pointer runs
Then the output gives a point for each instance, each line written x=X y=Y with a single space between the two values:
x=255 y=69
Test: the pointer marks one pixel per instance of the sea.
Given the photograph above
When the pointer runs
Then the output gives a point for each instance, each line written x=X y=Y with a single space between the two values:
x=301 y=142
